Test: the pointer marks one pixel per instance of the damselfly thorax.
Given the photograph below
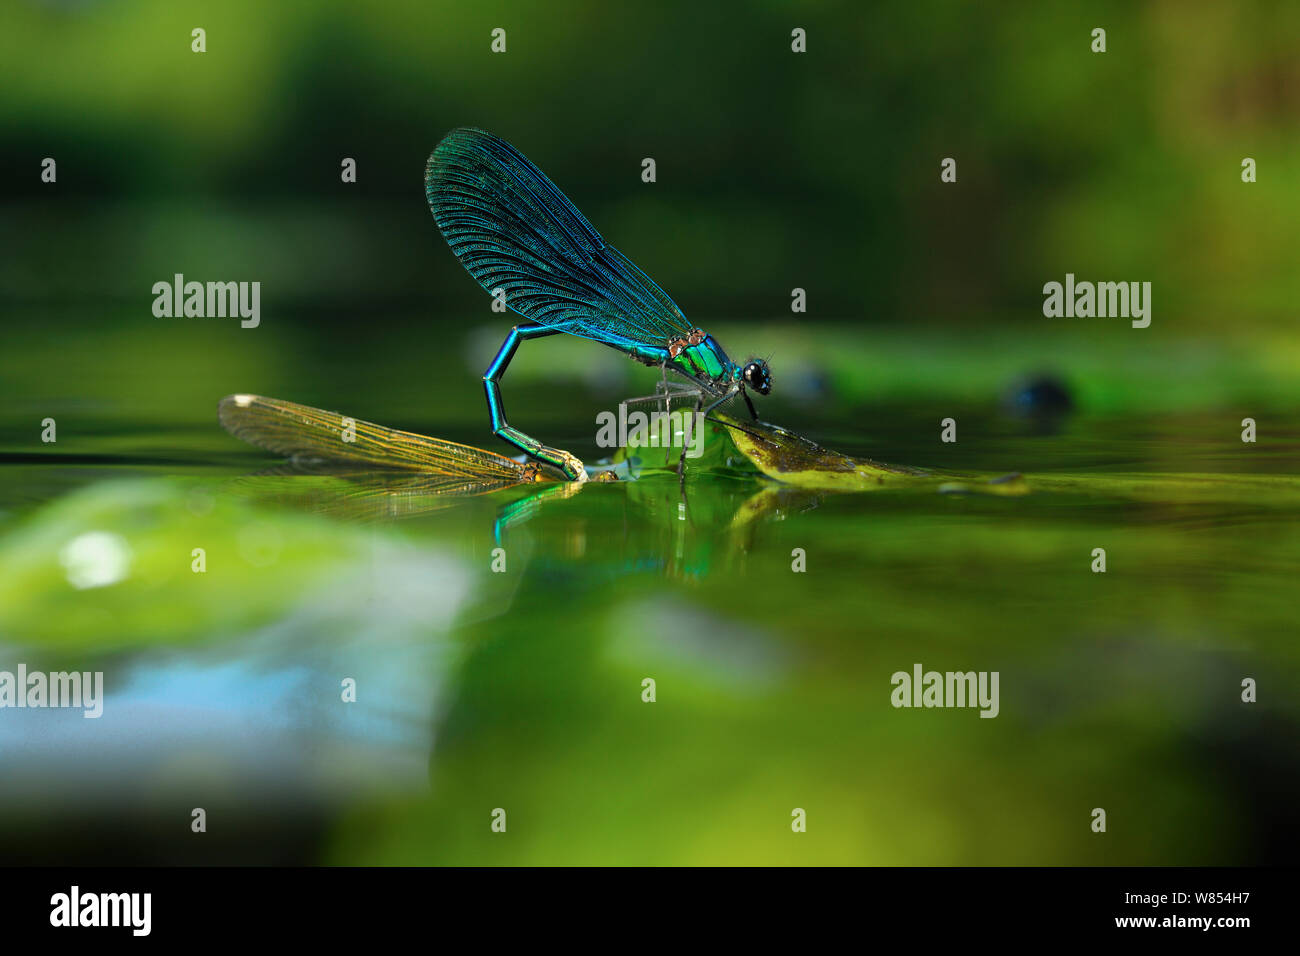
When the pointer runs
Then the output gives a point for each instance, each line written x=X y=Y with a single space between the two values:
x=697 y=357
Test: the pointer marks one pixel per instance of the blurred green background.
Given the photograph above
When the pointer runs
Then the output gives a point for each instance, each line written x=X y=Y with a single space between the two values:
x=775 y=170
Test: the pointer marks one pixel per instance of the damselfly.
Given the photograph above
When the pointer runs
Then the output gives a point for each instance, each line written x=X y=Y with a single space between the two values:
x=384 y=473
x=521 y=239
x=307 y=435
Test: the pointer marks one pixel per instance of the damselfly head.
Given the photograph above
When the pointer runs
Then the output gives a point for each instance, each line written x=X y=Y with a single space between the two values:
x=758 y=377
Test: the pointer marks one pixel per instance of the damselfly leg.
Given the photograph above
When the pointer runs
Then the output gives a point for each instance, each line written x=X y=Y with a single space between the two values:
x=686 y=440
x=556 y=457
x=665 y=392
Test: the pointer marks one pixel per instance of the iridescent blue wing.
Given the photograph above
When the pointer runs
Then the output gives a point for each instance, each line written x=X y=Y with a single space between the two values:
x=514 y=230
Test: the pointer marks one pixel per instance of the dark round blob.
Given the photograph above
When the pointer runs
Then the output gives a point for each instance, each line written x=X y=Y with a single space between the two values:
x=1042 y=394
x=758 y=377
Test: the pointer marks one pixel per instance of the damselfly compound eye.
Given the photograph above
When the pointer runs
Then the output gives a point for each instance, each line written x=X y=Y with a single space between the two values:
x=758 y=377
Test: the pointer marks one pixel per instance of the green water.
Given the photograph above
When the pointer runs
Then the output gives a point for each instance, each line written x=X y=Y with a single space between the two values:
x=522 y=689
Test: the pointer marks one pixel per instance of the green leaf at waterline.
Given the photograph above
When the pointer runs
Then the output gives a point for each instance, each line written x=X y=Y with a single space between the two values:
x=794 y=460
